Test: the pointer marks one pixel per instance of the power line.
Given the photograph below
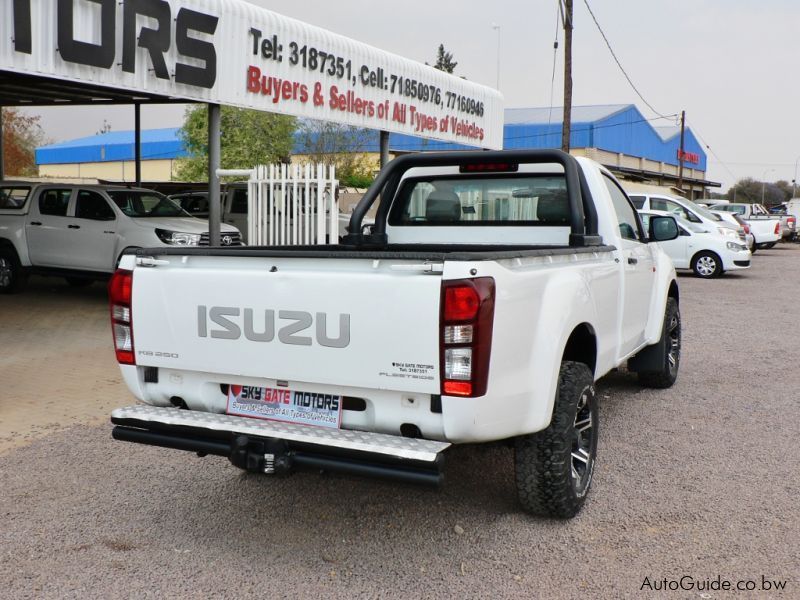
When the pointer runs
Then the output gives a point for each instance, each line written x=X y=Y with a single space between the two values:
x=714 y=154
x=614 y=55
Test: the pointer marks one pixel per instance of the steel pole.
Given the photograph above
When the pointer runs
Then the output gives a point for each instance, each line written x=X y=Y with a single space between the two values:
x=214 y=206
x=384 y=148
x=137 y=143
x=794 y=181
x=2 y=152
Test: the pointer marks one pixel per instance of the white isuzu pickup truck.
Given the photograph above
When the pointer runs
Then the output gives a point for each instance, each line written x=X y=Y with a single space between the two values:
x=491 y=292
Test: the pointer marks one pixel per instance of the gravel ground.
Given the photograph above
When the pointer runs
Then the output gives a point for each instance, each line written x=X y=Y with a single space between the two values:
x=700 y=480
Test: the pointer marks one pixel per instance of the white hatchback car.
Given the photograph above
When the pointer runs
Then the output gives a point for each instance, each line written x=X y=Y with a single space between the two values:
x=702 y=249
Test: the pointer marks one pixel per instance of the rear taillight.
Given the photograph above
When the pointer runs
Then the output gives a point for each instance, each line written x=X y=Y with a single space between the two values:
x=120 y=290
x=746 y=229
x=467 y=316
x=778 y=228
x=791 y=222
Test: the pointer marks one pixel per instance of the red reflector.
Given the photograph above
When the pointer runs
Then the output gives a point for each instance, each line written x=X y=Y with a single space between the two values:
x=461 y=303
x=457 y=388
x=125 y=358
x=120 y=287
x=489 y=168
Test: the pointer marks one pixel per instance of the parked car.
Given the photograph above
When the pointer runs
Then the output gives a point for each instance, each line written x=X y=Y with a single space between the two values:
x=706 y=252
x=736 y=221
x=79 y=232
x=194 y=203
x=756 y=212
x=492 y=291
x=685 y=209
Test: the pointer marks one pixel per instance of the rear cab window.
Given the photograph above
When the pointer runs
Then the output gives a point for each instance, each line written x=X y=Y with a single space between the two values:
x=14 y=197
x=54 y=202
x=526 y=205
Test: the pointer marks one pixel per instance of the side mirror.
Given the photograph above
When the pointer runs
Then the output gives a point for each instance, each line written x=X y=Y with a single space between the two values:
x=662 y=229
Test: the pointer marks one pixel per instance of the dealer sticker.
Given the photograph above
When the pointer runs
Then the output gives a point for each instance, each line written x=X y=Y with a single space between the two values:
x=289 y=406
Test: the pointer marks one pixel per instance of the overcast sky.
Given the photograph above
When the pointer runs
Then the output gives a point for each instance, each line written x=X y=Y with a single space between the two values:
x=731 y=64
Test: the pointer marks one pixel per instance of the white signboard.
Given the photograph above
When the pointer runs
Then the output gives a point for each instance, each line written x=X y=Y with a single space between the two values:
x=232 y=52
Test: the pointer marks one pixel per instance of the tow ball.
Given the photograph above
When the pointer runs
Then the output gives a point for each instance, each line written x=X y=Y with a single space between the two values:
x=270 y=457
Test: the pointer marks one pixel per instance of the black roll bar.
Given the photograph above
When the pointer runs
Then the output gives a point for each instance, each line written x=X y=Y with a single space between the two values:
x=583 y=215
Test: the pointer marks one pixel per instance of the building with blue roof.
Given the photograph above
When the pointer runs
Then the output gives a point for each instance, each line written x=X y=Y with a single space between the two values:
x=110 y=156
x=616 y=135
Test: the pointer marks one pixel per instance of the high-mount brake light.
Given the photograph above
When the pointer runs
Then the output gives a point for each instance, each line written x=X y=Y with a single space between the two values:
x=467 y=317
x=489 y=168
x=120 y=292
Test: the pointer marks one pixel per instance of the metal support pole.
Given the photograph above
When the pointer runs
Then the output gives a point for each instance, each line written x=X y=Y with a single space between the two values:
x=2 y=152
x=214 y=207
x=384 y=148
x=681 y=151
x=137 y=142
x=566 y=127
x=794 y=181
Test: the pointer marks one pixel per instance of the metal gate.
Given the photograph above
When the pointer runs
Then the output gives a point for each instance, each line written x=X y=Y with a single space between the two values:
x=290 y=205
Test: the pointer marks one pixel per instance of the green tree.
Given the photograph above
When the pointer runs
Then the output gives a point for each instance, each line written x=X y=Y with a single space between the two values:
x=248 y=138
x=444 y=61
x=22 y=134
x=751 y=190
x=342 y=146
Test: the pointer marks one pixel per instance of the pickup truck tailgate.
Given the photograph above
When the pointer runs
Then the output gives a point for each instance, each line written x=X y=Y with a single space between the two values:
x=341 y=322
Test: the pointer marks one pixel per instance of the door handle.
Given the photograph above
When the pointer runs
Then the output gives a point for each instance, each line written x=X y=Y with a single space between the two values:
x=36 y=223
x=633 y=261
x=74 y=226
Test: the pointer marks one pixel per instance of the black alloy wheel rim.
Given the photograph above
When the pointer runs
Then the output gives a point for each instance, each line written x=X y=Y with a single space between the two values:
x=583 y=441
x=6 y=272
x=674 y=343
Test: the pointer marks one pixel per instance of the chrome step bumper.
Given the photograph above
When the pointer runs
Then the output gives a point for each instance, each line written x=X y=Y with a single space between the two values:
x=274 y=447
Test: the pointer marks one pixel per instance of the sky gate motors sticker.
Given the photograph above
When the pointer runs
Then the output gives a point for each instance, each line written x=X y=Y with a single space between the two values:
x=305 y=408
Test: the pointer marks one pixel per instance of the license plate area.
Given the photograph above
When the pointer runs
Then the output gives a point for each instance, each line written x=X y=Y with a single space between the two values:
x=285 y=405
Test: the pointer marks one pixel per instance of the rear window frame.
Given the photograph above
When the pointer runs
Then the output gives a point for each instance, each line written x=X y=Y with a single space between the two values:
x=22 y=206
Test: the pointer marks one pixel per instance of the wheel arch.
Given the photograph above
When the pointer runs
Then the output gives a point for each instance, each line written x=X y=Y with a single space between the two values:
x=674 y=291
x=582 y=346
x=6 y=244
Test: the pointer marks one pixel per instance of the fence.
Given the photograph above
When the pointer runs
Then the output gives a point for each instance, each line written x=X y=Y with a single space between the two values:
x=290 y=205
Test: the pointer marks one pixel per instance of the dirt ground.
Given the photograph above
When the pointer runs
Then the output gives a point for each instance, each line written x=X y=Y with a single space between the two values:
x=697 y=484
x=57 y=362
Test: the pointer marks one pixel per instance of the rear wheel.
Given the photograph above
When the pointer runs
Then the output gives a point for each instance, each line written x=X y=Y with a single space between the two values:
x=553 y=468
x=706 y=265
x=12 y=276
